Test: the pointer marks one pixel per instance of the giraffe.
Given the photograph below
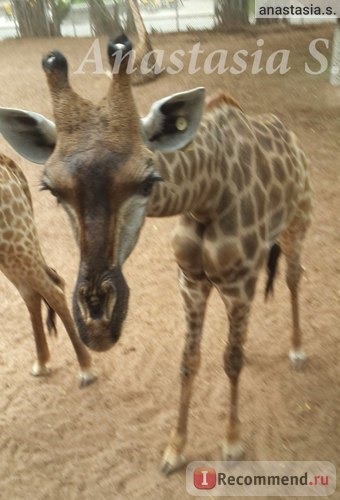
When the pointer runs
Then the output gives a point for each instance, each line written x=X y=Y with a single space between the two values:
x=239 y=184
x=23 y=264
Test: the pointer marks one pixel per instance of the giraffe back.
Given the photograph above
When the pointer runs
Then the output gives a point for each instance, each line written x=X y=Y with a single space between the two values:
x=19 y=246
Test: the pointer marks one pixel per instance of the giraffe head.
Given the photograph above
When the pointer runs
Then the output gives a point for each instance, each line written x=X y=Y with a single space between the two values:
x=99 y=164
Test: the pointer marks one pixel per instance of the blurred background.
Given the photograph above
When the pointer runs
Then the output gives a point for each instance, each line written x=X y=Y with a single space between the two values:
x=86 y=17
x=82 y=18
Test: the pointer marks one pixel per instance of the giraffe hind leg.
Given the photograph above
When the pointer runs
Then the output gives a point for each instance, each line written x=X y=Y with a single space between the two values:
x=51 y=289
x=33 y=302
x=297 y=354
x=238 y=313
x=46 y=284
x=291 y=243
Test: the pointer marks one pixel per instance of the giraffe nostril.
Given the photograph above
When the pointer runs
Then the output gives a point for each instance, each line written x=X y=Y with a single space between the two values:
x=97 y=302
x=95 y=307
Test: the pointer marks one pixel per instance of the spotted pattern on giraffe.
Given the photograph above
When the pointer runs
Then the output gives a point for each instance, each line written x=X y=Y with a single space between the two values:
x=22 y=262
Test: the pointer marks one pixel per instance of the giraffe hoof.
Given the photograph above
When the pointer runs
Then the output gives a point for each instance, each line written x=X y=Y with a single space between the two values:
x=232 y=451
x=39 y=370
x=86 y=378
x=172 y=461
x=298 y=359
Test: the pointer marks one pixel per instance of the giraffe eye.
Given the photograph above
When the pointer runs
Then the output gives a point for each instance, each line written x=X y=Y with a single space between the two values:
x=45 y=187
x=146 y=186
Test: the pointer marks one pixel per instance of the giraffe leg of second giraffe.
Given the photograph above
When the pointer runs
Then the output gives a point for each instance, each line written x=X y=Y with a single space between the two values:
x=195 y=294
x=83 y=356
x=54 y=296
x=33 y=302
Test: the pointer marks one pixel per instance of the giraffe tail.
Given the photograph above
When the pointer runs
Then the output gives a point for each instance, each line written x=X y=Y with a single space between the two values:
x=273 y=258
x=51 y=320
x=51 y=314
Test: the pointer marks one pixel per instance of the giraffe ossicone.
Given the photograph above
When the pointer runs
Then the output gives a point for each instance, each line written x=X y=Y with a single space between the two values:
x=241 y=187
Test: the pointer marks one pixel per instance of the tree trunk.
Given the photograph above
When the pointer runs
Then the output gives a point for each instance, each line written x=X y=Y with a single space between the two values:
x=335 y=66
x=59 y=10
x=130 y=23
x=231 y=13
x=102 y=22
x=40 y=18
x=32 y=17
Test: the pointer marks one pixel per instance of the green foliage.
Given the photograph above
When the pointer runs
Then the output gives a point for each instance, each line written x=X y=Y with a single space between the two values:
x=60 y=9
x=83 y=2
x=251 y=7
x=232 y=12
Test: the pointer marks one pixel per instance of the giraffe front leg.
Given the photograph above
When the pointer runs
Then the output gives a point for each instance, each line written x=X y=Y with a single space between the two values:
x=195 y=294
x=238 y=314
x=83 y=356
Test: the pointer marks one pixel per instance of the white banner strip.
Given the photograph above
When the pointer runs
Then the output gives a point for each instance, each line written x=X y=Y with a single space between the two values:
x=290 y=9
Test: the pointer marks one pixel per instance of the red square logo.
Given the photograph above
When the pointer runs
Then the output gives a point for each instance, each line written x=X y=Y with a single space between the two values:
x=204 y=478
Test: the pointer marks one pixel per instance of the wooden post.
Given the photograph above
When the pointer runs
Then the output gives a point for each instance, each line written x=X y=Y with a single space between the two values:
x=72 y=20
x=177 y=16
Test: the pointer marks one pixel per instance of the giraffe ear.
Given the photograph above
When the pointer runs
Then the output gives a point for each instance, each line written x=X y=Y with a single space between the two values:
x=173 y=121
x=30 y=134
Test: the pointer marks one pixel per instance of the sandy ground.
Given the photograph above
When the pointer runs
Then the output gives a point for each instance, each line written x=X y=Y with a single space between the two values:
x=57 y=441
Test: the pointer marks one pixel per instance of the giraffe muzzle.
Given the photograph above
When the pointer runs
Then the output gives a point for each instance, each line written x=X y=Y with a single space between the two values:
x=100 y=308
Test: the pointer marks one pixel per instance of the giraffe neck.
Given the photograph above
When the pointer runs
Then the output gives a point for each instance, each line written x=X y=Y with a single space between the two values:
x=192 y=177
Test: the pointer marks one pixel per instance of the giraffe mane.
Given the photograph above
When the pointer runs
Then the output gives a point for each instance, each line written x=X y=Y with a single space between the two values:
x=220 y=98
